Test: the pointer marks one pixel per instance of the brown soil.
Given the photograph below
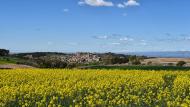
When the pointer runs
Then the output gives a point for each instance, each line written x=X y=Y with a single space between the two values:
x=14 y=66
x=167 y=60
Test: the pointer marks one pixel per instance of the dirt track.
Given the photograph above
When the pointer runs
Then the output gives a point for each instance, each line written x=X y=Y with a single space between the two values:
x=14 y=66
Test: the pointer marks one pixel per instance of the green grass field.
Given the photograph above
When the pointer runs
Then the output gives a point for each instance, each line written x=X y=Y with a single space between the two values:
x=170 y=68
x=7 y=60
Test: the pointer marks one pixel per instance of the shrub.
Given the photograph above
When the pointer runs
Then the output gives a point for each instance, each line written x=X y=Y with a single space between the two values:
x=149 y=63
x=71 y=65
x=181 y=63
x=136 y=62
x=170 y=64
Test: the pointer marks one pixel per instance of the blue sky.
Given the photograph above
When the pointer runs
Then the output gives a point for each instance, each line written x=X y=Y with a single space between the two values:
x=95 y=25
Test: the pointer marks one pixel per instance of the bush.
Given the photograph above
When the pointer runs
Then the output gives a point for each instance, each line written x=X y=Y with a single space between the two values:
x=149 y=63
x=181 y=63
x=136 y=62
x=51 y=62
x=54 y=64
x=170 y=64
x=71 y=65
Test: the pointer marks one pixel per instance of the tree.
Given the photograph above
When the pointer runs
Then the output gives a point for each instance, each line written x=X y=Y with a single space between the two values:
x=132 y=58
x=136 y=62
x=52 y=62
x=110 y=58
x=149 y=63
x=4 y=52
x=181 y=63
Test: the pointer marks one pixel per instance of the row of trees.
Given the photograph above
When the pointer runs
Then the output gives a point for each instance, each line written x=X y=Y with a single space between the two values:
x=4 y=52
x=51 y=61
x=111 y=58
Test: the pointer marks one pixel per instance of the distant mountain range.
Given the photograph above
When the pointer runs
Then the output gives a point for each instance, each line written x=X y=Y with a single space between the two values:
x=174 y=54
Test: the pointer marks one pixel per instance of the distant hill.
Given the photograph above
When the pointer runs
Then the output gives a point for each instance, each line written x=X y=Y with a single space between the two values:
x=174 y=54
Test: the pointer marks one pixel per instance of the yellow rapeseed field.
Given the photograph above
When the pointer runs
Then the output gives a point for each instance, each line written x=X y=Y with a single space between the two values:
x=88 y=88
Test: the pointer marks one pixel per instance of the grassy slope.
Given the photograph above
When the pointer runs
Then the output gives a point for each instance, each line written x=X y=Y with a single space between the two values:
x=7 y=60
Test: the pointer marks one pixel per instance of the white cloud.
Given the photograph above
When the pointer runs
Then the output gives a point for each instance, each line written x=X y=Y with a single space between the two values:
x=143 y=42
x=128 y=3
x=131 y=3
x=126 y=39
x=187 y=38
x=121 y=5
x=65 y=10
x=116 y=43
x=72 y=44
x=96 y=3
x=81 y=3
x=101 y=37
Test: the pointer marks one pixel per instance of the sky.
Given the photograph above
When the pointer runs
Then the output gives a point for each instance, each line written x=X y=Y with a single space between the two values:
x=95 y=25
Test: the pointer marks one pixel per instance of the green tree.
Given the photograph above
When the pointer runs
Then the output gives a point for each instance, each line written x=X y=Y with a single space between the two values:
x=4 y=52
x=181 y=63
